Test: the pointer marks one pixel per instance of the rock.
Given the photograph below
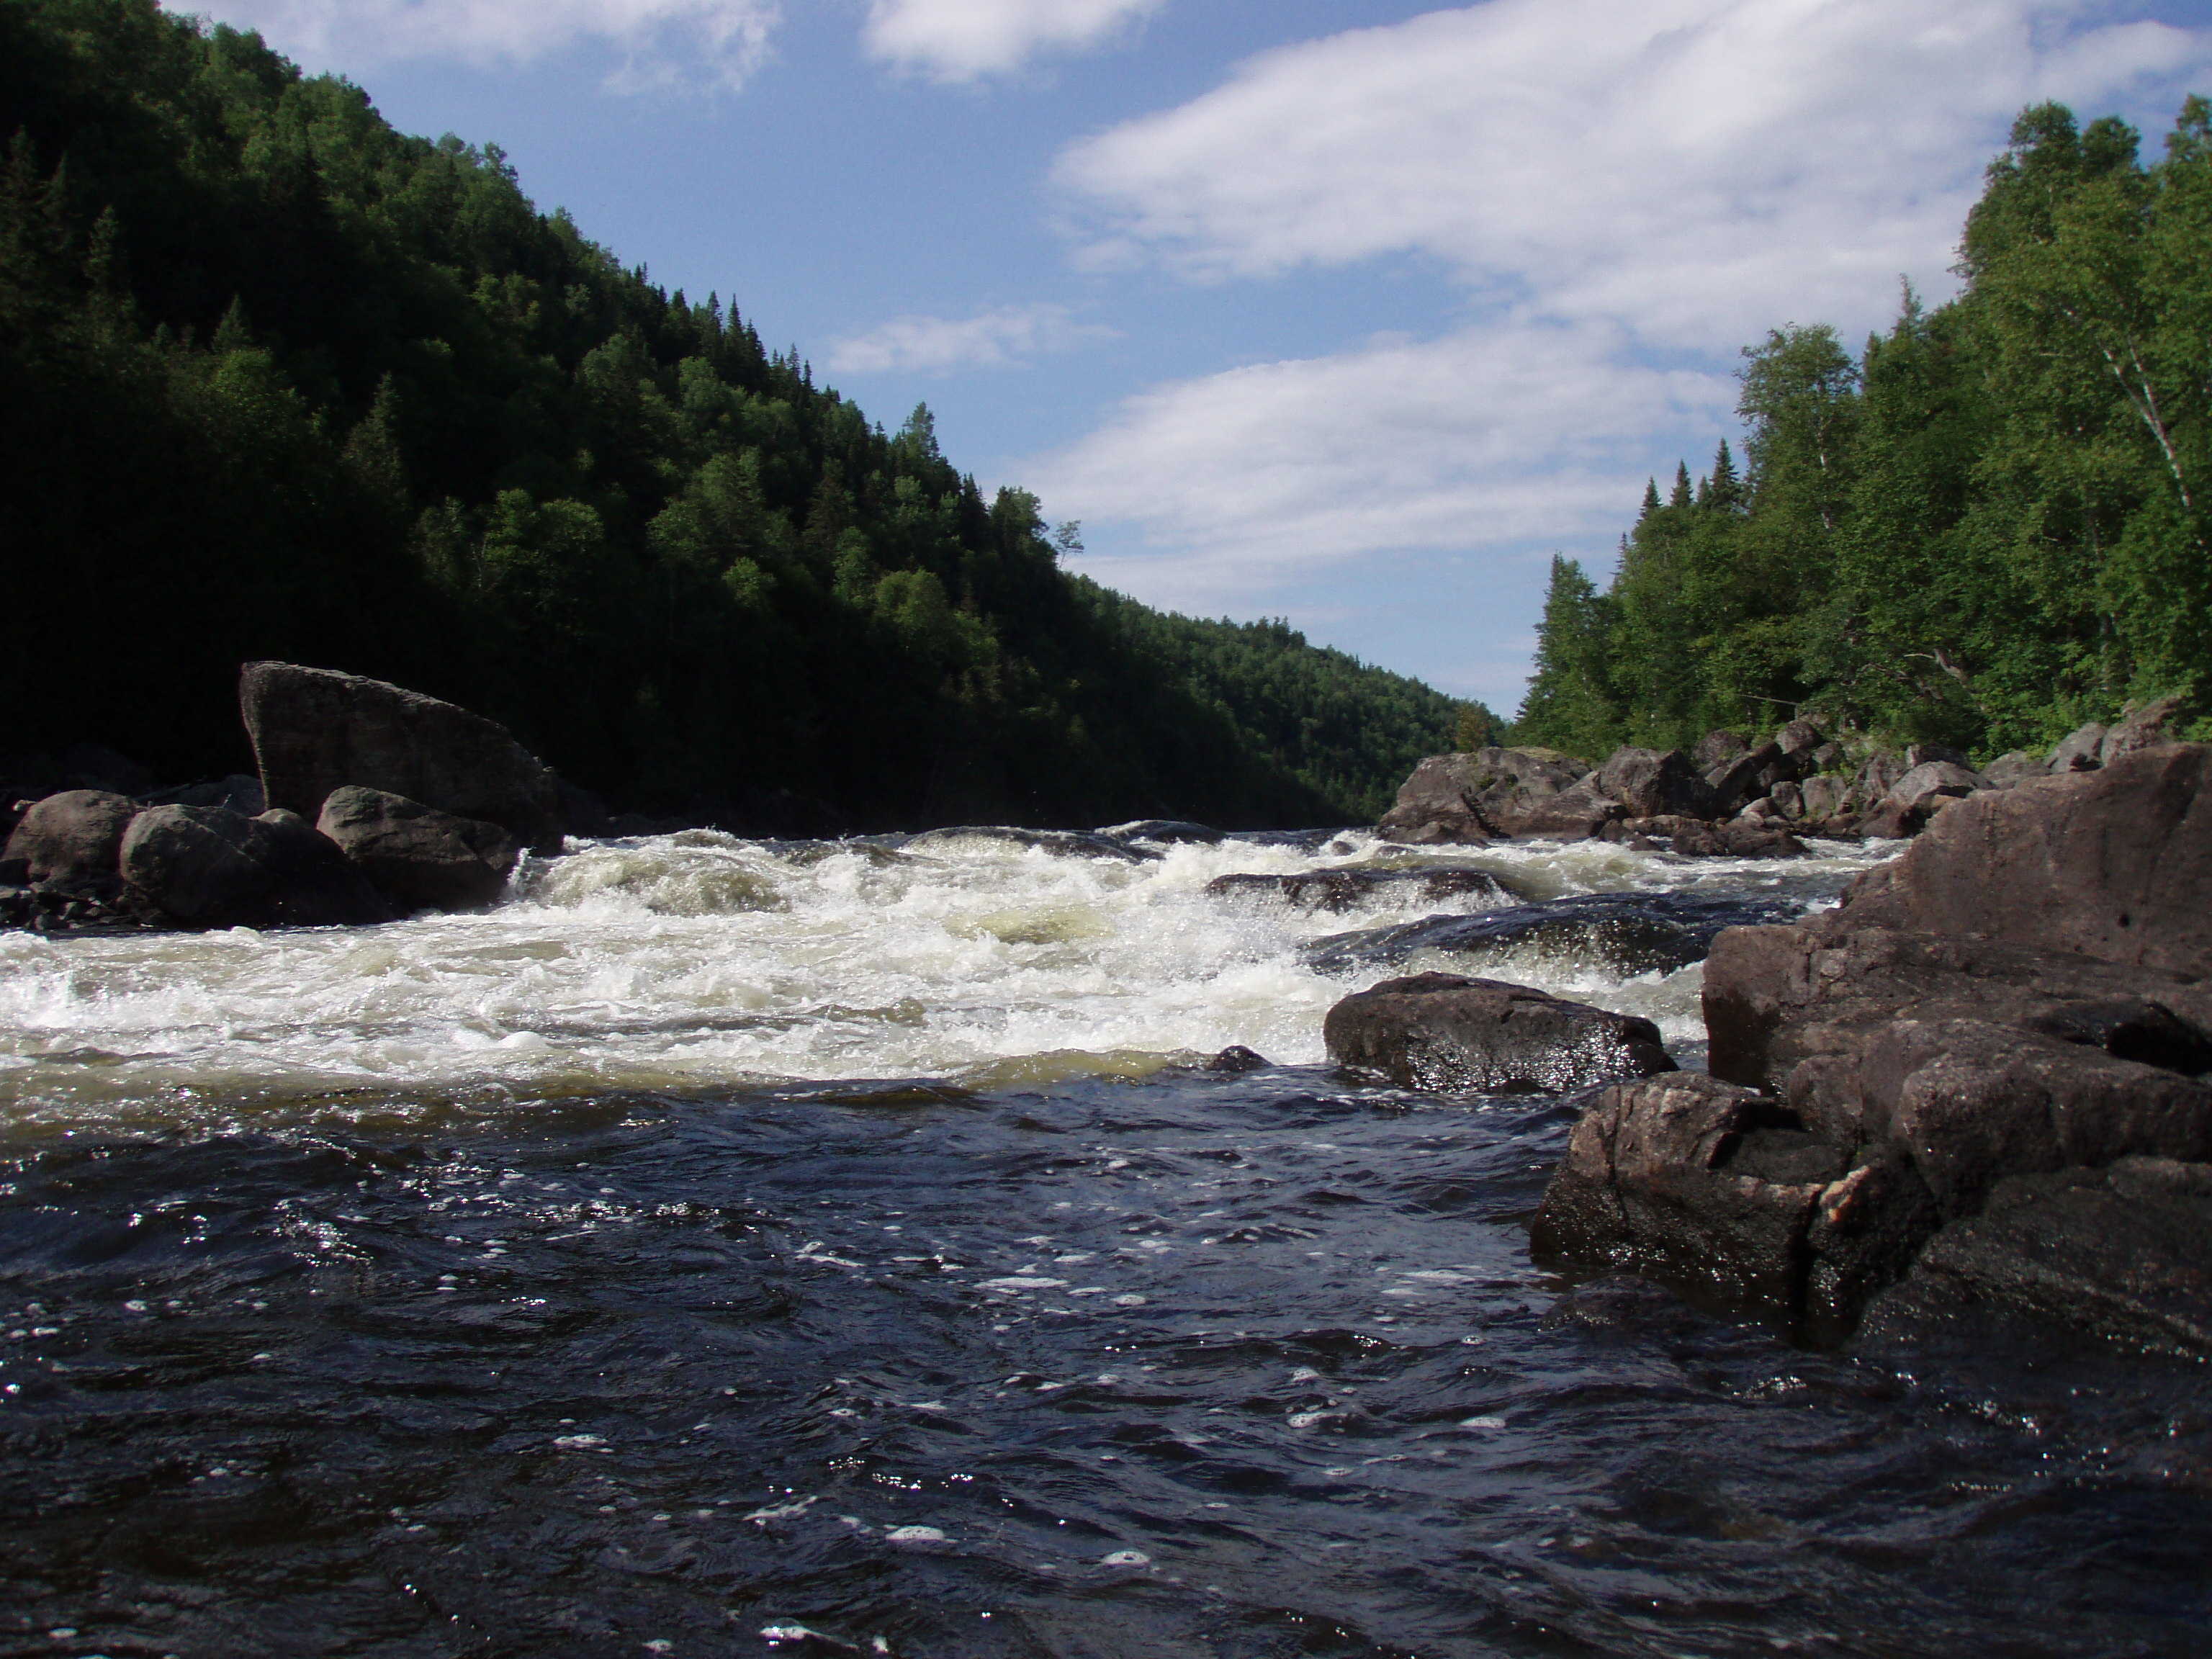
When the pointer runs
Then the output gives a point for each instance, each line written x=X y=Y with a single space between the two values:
x=2121 y=1256
x=1166 y=831
x=2141 y=728
x=1717 y=748
x=1919 y=795
x=1787 y=800
x=1447 y=1032
x=1751 y=774
x=1652 y=782
x=206 y=867
x=1629 y=932
x=2116 y=864
x=73 y=839
x=1800 y=737
x=1930 y=754
x=1350 y=890
x=1736 y=840
x=1710 y=1187
x=1494 y=793
x=315 y=730
x=2016 y=766
x=1061 y=843
x=2025 y=997
x=2077 y=752
x=419 y=858
x=1821 y=799
x=1237 y=1058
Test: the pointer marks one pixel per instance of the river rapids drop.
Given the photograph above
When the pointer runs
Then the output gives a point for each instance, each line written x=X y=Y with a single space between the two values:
x=736 y=1246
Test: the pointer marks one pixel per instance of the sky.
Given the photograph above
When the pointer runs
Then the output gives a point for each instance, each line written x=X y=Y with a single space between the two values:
x=1352 y=313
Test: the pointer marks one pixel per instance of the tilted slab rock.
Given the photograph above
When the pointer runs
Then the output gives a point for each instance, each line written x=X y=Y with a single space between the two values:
x=1445 y=1031
x=1494 y=793
x=315 y=730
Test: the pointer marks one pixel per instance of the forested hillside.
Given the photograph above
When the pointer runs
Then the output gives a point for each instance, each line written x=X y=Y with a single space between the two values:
x=276 y=381
x=1992 y=524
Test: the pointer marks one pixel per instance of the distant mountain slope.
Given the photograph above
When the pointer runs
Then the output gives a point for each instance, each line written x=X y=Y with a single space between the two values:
x=276 y=381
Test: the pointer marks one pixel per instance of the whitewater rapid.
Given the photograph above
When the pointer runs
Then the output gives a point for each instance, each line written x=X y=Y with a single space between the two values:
x=700 y=960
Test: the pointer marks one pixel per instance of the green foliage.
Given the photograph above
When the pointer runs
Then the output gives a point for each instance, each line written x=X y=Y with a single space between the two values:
x=1992 y=526
x=278 y=381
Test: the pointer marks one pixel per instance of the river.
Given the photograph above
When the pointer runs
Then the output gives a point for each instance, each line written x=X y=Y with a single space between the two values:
x=741 y=1247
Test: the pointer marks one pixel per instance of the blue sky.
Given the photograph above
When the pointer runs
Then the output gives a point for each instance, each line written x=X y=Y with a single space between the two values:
x=1352 y=313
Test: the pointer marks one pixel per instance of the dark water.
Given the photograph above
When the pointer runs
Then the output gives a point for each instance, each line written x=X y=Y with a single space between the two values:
x=821 y=1373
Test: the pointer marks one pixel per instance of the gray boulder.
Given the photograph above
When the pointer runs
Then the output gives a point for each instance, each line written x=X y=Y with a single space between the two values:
x=1652 y=782
x=315 y=730
x=1498 y=793
x=2077 y=751
x=2141 y=728
x=1717 y=748
x=419 y=858
x=1445 y=1031
x=206 y=867
x=1919 y=795
x=73 y=839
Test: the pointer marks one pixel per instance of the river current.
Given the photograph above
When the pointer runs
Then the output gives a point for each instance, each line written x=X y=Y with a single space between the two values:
x=741 y=1248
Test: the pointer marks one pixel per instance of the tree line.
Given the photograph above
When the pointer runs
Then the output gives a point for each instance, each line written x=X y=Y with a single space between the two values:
x=1988 y=527
x=278 y=381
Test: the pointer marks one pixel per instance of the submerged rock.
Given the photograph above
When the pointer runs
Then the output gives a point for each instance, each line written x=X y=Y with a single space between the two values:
x=1237 y=1058
x=1168 y=831
x=1350 y=890
x=315 y=730
x=1445 y=1031
x=1629 y=932
x=419 y=858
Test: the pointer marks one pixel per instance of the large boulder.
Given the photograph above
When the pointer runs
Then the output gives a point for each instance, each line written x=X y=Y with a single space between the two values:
x=419 y=858
x=1916 y=797
x=2148 y=727
x=315 y=730
x=73 y=839
x=2022 y=997
x=207 y=866
x=1494 y=793
x=1652 y=782
x=1628 y=933
x=1445 y=1031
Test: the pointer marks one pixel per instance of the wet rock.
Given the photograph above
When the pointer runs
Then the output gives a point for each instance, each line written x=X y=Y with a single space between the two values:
x=1699 y=1182
x=1237 y=1058
x=1738 y=838
x=1445 y=1031
x=1352 y=890
x=315 y=730
x=206 y=867
x=1061 y=843
x=1495 y=794
x=1629 y=932
x=2153 y=724
x=1652 y=782
x=2077 y=751
x=2121 y=1256
x=1167 y=831
x=73 y=839
x=419 y=858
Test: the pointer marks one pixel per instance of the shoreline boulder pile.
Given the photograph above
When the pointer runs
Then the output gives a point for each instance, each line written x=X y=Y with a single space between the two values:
x=372 y=802
x=1981 y=1084
x=1727 y=797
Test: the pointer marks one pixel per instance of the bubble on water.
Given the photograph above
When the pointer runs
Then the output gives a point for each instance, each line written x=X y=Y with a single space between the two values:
x=917 y=1536
x=1127 y=1558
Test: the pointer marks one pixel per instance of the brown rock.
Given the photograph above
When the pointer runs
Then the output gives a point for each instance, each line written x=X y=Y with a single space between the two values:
x=75 y=838
x=1445 y=1031
x=1653 y=783
x=2146 y=728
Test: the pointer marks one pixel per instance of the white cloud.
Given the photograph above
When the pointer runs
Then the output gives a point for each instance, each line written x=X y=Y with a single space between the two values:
x=1696 y=169
x=991 y=339
x=714 y=43
x=967 y=40
x=1614 y=183
x=1263 y=475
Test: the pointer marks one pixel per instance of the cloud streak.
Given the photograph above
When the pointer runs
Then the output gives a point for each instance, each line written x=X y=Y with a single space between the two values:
x=1000 y=339
x=967 y=40
x=710 y=43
